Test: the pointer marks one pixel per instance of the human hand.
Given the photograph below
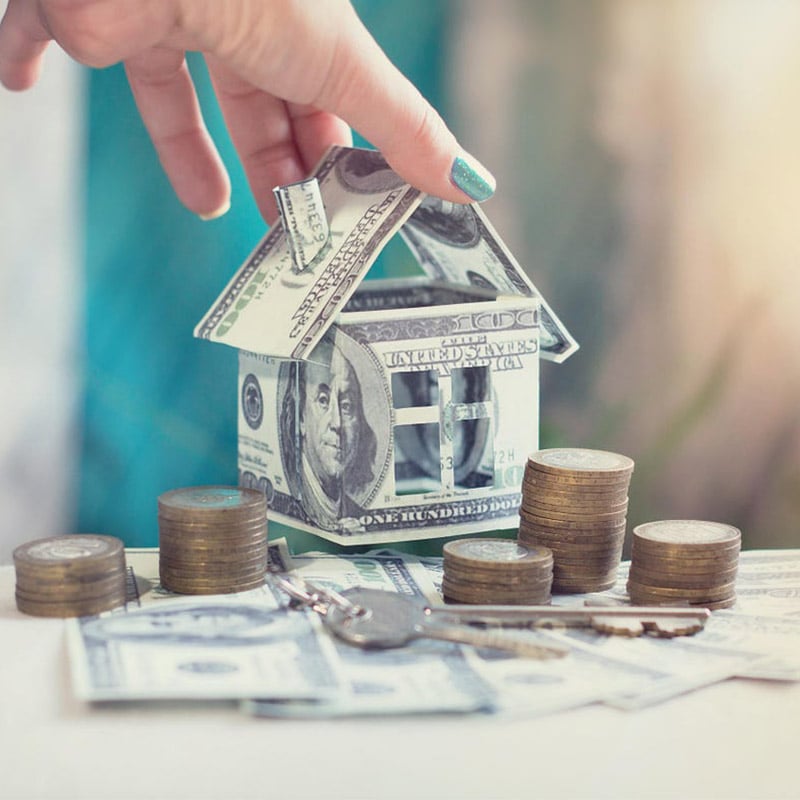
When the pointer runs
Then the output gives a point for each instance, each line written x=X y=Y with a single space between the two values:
x=290 y=78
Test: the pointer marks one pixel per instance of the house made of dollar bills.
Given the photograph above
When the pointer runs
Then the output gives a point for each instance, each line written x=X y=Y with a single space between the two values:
x=384 y=410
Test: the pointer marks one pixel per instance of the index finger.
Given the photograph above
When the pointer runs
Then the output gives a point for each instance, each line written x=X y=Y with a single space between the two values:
x=23 y=40
x=366 y=90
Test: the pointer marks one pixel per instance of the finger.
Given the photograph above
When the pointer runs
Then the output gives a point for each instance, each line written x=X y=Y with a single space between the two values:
x=315 y=131
x=277 y=143
x=364 y=88
x=323 y=57
x=23 y=40
x=165 y=96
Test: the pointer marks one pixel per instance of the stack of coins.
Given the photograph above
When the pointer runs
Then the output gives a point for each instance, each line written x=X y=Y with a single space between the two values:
x=575 y=502
x=70 y=576
x=496 y=571
x=212 y=539
x=684 y=561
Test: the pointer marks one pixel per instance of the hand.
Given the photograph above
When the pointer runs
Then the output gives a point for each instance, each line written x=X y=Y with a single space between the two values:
x=290 y=77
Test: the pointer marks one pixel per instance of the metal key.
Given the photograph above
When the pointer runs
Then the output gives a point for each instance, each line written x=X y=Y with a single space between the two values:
x=383 y=620
x=662 y=621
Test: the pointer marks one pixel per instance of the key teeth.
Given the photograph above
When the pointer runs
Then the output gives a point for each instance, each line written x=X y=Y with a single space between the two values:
x=613 y=627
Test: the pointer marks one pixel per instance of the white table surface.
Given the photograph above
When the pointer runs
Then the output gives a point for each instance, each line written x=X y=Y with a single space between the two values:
x=736 y=739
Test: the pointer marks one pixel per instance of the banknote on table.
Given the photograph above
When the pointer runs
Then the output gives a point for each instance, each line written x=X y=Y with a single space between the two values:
x=758 y=638
x=212 y=648
x=287 y=665
x=424 y=677
x=250 y=645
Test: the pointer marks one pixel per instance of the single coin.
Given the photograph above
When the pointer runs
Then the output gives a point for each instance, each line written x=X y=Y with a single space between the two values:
x=565 y=495
x=510 y=584
x=68 y=590
x=71 y=553
x=494 y=553
x=729 y=559
x=534 y=482
x=572 y=521
x=72 y=608
x=561 y=531
x=215 y=529
x=497 y=597
x=717 y=592
x=689 y=533
x=196 y=587
x=689 y=580
x=574 y=510
x=583 y=587
x=241 y=553
x=495 y=577
x=600 y=462
x=575 y=481
x=212 y=501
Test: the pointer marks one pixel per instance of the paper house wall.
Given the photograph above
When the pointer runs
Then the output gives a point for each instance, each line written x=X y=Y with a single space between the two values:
x=385 y=410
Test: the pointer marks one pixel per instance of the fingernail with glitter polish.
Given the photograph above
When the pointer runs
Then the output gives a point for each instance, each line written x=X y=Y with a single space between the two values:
x=472 y=178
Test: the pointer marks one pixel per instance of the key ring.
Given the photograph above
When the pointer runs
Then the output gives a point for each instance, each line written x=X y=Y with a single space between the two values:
x=305 y=594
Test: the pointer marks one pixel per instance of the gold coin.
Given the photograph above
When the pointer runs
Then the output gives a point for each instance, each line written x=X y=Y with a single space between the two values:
x=189 y=568
x=494 y=588
x=566 y=521
x=498 y=577
x=569 y=530
x=496 y=596
x=658 y=570
x=494 y=553
x=216 y=553
x=692 y=534
x=681 y=581
x=583 y=586
x=579 y=459
x=71 y=554
x=716 y=592
x=217 y=502
x=574 y=511
x=71 y=608
x=70 y=589
x=572 y=482
x=687 y=563
x=534 y=484
x=586 y=541
x=218 y=587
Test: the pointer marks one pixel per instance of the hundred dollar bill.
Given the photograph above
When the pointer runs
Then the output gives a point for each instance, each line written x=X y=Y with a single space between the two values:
x=311 y=262
x=209 y=647
x=305 y=222
x=400 y=429
x=285 y=310
x=457 y=244
x=212 y=648
x=424 y=677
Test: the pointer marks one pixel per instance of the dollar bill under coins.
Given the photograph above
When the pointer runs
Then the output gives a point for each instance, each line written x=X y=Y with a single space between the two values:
x=575 y=502
x=70 y=576
x=496 y=571
x=212 y=539
x=684 y=561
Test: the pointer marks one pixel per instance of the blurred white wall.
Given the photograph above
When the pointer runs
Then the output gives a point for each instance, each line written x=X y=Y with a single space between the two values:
x=41 y=175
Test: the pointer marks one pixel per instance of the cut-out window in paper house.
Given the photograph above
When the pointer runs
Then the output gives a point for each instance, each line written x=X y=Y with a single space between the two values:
x=384 y=410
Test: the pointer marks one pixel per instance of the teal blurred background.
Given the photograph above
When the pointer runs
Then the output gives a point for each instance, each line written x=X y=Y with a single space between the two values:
x=647 y=173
